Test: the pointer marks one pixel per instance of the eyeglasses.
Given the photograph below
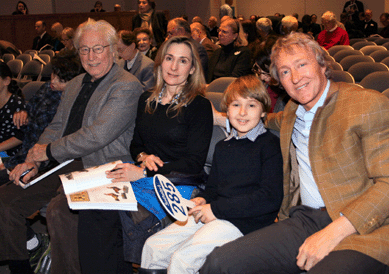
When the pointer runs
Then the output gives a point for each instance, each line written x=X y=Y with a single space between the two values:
x=257 y=70
x=96 y=49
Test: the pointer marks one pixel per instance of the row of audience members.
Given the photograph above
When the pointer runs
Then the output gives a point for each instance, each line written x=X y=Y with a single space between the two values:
x=106 y=113
x=22 y=9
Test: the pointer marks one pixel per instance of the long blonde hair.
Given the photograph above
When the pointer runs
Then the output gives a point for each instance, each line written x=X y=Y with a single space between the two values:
x=195 y=84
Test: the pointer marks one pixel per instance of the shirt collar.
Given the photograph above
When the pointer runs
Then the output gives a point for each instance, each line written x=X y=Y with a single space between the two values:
x=129 y=64
x=251 y=135
x=332 y=30
x=301 y=110
x=88 y=78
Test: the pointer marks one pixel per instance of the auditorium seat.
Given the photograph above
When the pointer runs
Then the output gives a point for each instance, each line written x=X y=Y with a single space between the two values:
x=386 y=45
x=348 y=61
x=30 y=89
x=45 y=57
x=31 y=52
x=218 y=134
x=334 y=49
x=355 y=40
x=381 y=41
x=386 y=92
x=385 y=61
x=16 y=67
x=373 y=38
x=362 y=69
x=25 y=57
x=341 y=76
x=335 y=66
x=215 y=98
x=379 y=55
x=329 y=58
x=30 y=72
x=362 y=44
x=8 y=57
x=346 y=52
x=49 y=52
x=220 y=84
x=367 y=50
x=46 y=73
x=377 y=80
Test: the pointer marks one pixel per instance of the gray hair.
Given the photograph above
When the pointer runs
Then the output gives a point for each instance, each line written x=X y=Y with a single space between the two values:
x=264 y=24
x=329 y=16
x=301 y=40
x=290 y=23
x=100 y=26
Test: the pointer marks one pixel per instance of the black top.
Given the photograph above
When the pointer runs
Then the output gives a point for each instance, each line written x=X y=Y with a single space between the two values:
x=229 y=61
x=39 y=42
x=181 y=142
x=7 y=129
x=158 y=23
x=245 y=185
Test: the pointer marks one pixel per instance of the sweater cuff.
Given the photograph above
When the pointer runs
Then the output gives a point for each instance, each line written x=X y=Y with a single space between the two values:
x=48 y=153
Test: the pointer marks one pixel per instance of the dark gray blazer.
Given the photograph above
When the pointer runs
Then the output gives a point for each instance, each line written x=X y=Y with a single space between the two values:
x=108 y=123
x=143 y=70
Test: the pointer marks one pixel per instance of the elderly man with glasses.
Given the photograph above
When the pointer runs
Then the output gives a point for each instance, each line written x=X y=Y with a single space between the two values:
x=94 y=124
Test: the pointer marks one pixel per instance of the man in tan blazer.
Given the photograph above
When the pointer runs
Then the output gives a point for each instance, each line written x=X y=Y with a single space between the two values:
x=335 y=145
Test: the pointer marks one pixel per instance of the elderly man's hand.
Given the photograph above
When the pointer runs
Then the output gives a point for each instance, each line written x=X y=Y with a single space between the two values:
x=37 y=153
x=19 y=169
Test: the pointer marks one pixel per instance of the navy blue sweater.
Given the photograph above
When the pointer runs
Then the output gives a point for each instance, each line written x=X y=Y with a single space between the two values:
x=245 y=185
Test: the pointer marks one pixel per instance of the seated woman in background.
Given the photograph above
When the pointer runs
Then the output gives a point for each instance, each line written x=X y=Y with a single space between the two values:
x=21 y=8
x=144 y=38
x=250 y=33
x=11 y=101
x=172 y=133
x=67 y=39
x=233 y=59
x=149 y=18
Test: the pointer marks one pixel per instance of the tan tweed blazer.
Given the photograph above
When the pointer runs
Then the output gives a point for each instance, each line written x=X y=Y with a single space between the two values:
x=349 y=155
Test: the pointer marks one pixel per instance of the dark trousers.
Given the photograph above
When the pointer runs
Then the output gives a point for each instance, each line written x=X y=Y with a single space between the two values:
x=274 y=249
x=62 y=224
x=16 y=204
x=100 y=243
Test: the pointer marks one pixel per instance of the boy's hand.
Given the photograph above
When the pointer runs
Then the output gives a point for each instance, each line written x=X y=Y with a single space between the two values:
x=203 y=213
x=198 y=201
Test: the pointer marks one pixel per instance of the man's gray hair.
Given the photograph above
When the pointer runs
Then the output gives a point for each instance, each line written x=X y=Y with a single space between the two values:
x=100 y=26
x=264 y=24
x=301 y=40
x=290 y=23
x=329 y=16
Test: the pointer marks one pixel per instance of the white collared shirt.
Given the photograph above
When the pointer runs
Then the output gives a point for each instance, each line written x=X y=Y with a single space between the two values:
x=309 y=192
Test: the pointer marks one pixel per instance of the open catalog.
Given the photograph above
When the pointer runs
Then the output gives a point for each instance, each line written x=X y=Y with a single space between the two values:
x=91 y=189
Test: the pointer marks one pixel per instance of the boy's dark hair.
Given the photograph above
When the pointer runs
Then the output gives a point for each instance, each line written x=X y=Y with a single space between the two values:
x=66 y=65
x=248 y=86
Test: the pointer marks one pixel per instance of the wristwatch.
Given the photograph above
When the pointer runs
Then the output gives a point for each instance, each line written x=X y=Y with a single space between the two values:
x=140 y=156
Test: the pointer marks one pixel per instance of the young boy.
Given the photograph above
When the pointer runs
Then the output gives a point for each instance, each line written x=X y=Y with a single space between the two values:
x=243 y=193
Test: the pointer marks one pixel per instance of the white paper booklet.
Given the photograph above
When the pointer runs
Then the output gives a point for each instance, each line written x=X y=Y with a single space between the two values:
x=91 y=189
